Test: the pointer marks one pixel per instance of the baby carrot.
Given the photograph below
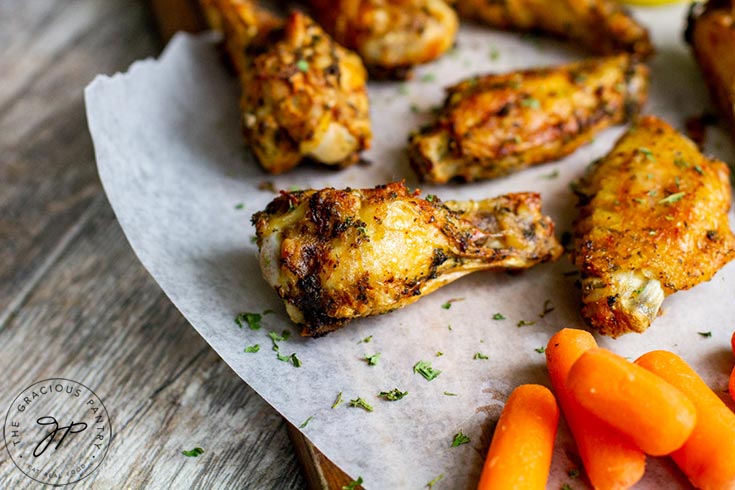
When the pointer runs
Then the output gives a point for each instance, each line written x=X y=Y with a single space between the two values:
x=708 y=456
x=519 y=457
x=611 y=460
x=655 y=415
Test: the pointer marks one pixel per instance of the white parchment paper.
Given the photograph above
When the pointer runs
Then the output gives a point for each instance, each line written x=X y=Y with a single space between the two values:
x=183 y=186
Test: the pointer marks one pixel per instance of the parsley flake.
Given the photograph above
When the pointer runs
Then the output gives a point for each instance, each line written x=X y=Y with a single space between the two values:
x=252 y=348
x=498 y=316
x=531 y=103
x=393 y=395
x=480 y=355
x=540 y=350
x=338 y=401
x=428 y=77
x=302 y=65
x=648 y=153
x=359 y=402
x=252 y=319
x=672 y=198
x=193 y=453
x=681 y=163
x=705 y=334
x=372 y=360
x=524 y=323
x=292 y=359
x=306 y=422
x=365 y=340
x=548 y=308
x=424 y=369
x=276 y=337
x=433 y=482
x=460 y=439
x=240 y=205
x=353 y=484
x=450 y=393
x=554 y=174
x=449 y=302
x=494 y=53
x=439 y=353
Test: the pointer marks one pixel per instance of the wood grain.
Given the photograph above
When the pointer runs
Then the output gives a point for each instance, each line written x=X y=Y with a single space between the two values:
x=74 y=300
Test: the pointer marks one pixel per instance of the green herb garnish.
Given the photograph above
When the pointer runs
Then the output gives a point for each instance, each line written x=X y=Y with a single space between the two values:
x=672 y=198
x=450 y=393
x=306 y=422
x=252 y=348
x=548 y=308
x=648 y=153
x=530 y=102
x=540 y=350
x=433 y=482
x=292 y=359
x=338 y=400
x=365 y=340
x=460 y=439
x=252 y=319
x=524 y=323
x=424 y=369
x=359 y=402
x=393 y=395
x=479 y=355
x=353 y=484
x=240 y=205
x=276 y=337
x=428 y=77
x=193 y=453
x=372 y=360
x=302 y=65
x=705 y=334
x=498 y=316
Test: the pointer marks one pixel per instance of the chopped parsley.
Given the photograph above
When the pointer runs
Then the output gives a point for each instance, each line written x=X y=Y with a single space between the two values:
x=705 y=334
x=433 y=482
x=353 y=484
x=428 y=77
x=439 y=353
x=554 y=174
x=540 y=350
x=193 y=453
x=524 y=323
x=672 y=198
x=252 y=348
x=531 y=103
x=292 y=359
x=276 y=337
x=460 y=439
x=240 y=205
x=648 y=153
x=448 y=393
x=360 y=403
x=699 y=170
x=548 y=308
x=252 y=319
x=449 y=302
x=365 y=340
x=681 y=163
x=424 y=369
x=306 y=422
x=338 y=401
x=302 y=65
x=498 y=316
x=393 y=395
x=372 y=360
x=480 y=355
x=494 y=53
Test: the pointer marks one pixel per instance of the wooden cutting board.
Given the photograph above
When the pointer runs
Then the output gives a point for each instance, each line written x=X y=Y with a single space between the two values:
x=319 y=472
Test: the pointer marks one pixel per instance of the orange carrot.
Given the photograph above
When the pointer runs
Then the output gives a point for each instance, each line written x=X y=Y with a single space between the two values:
x=654 y=414
x=520 y=452
x=732 y=343
x=611 y=460
x=731 y=385
x=708 y=456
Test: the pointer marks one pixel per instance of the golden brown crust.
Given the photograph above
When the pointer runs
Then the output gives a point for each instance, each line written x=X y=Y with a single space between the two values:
x=652 y=221
x=494 y=125
x=304 y=95
x=711 y=32
x=334 y=255
x=602 y=26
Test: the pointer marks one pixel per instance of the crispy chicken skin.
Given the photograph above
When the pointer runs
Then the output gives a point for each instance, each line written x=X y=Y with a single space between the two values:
x=652 y=221
x=304 y=96
x=602 y=26
x=711 y=32
x=390 y=35
x=494 y=125
x=334 y=255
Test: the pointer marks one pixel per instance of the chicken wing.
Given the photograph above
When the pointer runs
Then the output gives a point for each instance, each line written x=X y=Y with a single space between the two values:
x=390 y=35
x=602 y=26
x=493 y=125
x=652 y=221
x=334 y=255
x=711 y=32
x=303 y=95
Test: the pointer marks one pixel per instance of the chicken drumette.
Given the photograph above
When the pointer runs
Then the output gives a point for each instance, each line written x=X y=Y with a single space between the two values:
x=334 y=255
x=602 y=26
x=652 y=221
x=304 y=95
x=711 y=32
x=391 y=36
x=497 y=124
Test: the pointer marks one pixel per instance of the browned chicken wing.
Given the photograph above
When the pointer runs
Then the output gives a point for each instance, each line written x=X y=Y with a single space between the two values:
x=602 y=26
x=711 y=32
x=334 y=255
x=304 y=95
x=391 y=36
x=493 y=125
x=652 y=221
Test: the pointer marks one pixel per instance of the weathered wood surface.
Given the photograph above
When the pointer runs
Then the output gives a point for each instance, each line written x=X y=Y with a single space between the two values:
x=74 y=300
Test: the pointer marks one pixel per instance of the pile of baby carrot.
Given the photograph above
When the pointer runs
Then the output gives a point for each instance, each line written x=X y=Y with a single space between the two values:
x=618 y=411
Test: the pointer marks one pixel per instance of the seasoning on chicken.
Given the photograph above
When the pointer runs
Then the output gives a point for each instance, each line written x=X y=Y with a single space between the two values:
x=711 y=32
x=304 y=96
x=334 y=255
x=652 y=221
x=391 y=36
x=494 y=125
x=602 y=26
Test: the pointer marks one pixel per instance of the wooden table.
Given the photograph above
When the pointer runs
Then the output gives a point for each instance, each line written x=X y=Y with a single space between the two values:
x=74 y=300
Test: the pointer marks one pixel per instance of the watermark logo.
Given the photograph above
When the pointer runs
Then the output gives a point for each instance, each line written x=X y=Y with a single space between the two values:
x=57 y=431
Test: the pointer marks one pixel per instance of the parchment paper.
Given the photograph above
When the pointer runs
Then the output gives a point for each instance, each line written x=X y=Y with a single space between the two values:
x=183 y=186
